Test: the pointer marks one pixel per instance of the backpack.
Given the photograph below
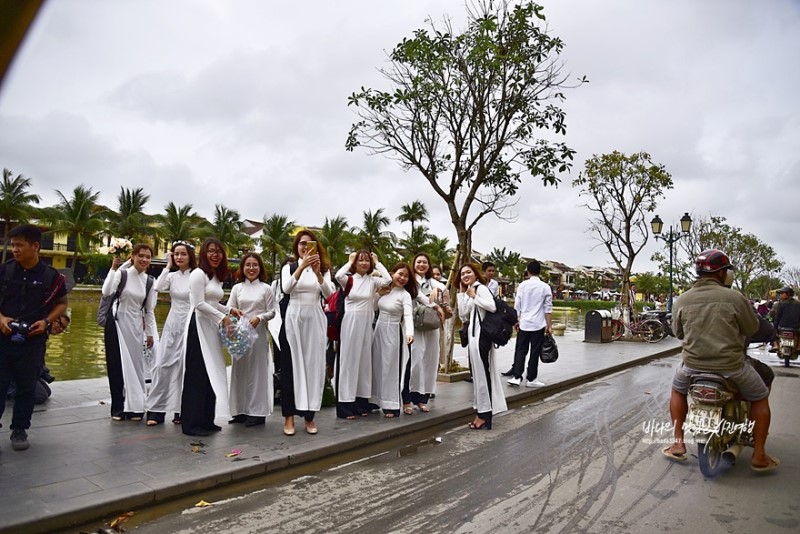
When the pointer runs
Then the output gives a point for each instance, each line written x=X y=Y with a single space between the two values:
x=106 y=302
x=283 y=304
x=497 y=326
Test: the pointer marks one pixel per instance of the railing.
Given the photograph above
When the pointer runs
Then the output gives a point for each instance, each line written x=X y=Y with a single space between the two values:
x=57 y=247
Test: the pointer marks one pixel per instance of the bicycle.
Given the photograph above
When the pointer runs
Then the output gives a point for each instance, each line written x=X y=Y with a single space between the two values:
x=651 y=330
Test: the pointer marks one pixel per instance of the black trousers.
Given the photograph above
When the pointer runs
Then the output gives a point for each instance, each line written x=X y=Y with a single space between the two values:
x=23 y=362
x=199 y=400
x=288 y=408
x=116 y=380
x=528 y=341
x=484 y=349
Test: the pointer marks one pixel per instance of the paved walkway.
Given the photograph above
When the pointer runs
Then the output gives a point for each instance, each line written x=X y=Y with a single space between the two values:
x=83 y=466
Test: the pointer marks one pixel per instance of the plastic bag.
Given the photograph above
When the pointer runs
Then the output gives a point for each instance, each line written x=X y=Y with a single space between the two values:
x=549 y=349
x=239 y=338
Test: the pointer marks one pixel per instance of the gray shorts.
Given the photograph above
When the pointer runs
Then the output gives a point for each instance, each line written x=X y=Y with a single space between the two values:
x=751 y=385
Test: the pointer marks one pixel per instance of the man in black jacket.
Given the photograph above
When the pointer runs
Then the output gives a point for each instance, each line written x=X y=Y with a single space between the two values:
x=32 y=296
x=787 y=316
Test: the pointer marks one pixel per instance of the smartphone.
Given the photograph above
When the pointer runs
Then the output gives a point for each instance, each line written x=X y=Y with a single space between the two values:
x=311 y=247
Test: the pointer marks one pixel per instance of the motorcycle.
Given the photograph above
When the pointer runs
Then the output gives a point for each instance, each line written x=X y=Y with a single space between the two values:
x=718 y=419
x=664 y=317
x=787 y=345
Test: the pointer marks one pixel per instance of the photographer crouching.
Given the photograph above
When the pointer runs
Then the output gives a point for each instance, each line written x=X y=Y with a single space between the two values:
x=32 y=296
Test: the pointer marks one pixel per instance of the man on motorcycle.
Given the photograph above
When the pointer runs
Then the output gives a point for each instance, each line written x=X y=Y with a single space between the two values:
x=787 y=316
x=713 y=321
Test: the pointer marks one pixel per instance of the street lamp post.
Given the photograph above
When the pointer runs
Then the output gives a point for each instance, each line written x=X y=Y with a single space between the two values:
x=670 y=238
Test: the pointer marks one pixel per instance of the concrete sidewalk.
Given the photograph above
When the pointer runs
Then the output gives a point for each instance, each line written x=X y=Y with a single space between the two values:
x=83 y=466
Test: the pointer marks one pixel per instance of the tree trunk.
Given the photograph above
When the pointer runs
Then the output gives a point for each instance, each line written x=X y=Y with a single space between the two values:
x=463 y=255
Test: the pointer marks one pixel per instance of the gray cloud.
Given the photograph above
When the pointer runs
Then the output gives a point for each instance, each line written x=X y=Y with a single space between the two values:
x=244 y=104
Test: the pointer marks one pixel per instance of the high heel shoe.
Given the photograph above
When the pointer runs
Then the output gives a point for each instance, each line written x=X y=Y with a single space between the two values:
x=486 y=424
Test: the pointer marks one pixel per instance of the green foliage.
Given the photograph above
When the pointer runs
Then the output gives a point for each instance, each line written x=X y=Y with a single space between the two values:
x=337 y=239
x=649 y=283
x=276 y=240
x=466 y=109
x=508 y=264
x=586 y=305
x=588 y=283
x=619 y=190
x=97 y=263
x=440 y=252
x=373 y=236
x=179 y=223
x=130 y=220
x=228 y=227
x=413 y=213
x=15 y=203
x=79 y=217
x=752 y=257
x=417 y=241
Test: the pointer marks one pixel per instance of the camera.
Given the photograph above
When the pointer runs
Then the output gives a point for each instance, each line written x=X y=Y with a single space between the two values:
x=19 y=331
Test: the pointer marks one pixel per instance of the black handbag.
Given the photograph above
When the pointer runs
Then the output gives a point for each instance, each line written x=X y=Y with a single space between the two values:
x=549 y=349
x=463 y=334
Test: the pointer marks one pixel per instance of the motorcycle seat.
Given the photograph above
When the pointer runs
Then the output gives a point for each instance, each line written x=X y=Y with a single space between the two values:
x=717 y=379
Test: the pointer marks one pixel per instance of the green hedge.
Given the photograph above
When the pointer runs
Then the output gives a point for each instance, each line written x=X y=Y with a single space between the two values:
x=586 y=305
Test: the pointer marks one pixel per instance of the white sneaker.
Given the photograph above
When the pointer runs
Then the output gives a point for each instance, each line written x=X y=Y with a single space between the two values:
x=514 y=381
x=534 y=384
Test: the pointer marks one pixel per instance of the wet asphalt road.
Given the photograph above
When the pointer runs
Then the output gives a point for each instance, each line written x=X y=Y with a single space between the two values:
x=580 y=461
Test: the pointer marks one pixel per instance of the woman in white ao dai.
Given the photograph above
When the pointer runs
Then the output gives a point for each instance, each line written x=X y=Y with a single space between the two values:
x=252 y=393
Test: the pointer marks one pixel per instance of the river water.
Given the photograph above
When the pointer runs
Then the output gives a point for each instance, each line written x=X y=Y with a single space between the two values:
x=79 y=353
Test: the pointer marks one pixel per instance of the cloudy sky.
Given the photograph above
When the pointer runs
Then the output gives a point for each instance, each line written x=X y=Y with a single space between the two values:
x=243 y=103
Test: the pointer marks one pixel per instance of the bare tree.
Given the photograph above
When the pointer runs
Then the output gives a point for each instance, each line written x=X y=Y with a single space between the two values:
x=791 y=276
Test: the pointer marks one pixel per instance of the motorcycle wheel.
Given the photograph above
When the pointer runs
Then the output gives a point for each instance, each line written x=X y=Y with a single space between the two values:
x=786 y=362
x=712 y=462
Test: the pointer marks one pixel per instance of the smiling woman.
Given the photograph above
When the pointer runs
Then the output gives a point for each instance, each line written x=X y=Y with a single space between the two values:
x=135 y=299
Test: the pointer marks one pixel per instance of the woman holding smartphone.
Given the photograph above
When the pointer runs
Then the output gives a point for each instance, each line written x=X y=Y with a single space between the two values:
x=303 y=365
x=165 y=395
x=474 y=301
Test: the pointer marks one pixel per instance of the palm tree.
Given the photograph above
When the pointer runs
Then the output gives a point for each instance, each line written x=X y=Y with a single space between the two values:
x=336 y=237
x=179 y=223
x=440 y=252
x=416 y=242
x=372 y=236
x=416 y=211
x=276 y=239
x=130 y=221
x=79 y=217
x=228 y=228
x=509 y=264
x=15 y=203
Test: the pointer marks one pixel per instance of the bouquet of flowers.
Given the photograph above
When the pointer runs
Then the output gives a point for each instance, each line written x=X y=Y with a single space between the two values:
x=238 y=338
x=119 y=247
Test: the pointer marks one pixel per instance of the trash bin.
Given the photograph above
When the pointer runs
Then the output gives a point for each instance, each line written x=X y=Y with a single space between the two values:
x=597 y=327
